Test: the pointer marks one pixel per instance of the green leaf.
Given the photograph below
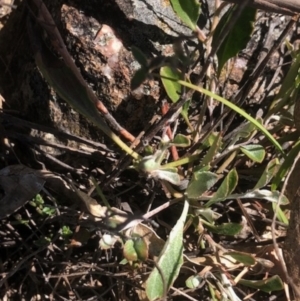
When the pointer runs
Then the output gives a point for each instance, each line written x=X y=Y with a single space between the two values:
x=212 y=151
x=224 y=229
x=168 y=174
x=226 y=188
x=148 y=164
x=193 y=281
x=237 y=38
x=236 y=109
x=139 y=77
x=139 y=56
x=141 y=248
x=207 y=214
x=280 y=214
x=210 y=140
x=169 y=261
x=286 y=165
x=48 y=211
x=272 y=196
x=181 y=141
x=188 y=11
x=268 y=174
x=268 y=285
x=246 y=130
x=129 y=251
x=172 y=88
x=255 y=152
x=201 y=182
x=66 y=231
x=245 y=258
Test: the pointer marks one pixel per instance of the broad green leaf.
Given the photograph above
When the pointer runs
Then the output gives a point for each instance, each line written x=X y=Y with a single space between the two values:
x=268 y=285
x=226 y=188
x=225 y=228
x=255 y=152
x=172 y=88
x=139 y=56
x=237 y=38
x=268 y=174
x=188 y=11
x=138 y=78
x=181 y=141
x=201 y=182
x=169 y=261
x=245 y=258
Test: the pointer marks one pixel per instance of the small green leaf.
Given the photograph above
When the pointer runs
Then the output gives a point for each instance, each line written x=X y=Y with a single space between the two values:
x=200 y=183
x=48 y=211
x=226 y=188
x=66 y=231
x=245 y=258
x=246 y=130
x=181 y=141
x=38 y=199
x=129 y=251
x=141 y=248
x=280 y=214
x=168 y=174
x=169 y=261
x=172 y=88
x=255 y=152
x=193 y=281
x=148 y=164
x=268 y=285
x=185 y=114
x=207 y=214
x=212 y=151
x=139 y=77
x=188 y=11
x=210 y=140
x=225 y=229
x=268 y=174
x=139 y=56
x=237 y=38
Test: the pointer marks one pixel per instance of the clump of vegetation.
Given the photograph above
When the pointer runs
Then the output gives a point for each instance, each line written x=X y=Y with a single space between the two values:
x=217 y=165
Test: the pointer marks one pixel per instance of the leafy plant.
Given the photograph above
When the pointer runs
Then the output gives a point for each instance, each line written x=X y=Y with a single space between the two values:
x=214 y=157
